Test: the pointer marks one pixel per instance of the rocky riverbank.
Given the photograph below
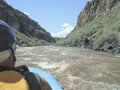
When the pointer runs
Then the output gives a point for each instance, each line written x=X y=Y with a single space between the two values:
x=98 y=27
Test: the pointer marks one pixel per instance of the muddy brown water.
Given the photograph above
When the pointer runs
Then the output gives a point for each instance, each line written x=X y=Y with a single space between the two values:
x=74 y=68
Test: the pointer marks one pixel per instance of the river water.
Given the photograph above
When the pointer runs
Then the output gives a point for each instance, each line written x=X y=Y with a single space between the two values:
x=74 y=68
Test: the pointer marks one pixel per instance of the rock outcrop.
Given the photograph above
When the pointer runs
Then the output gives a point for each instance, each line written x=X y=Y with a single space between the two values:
x=94 y=9
x=98 y=27
x=22 y=23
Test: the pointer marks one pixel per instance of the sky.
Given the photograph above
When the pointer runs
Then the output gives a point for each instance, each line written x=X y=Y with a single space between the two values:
x=58 y=17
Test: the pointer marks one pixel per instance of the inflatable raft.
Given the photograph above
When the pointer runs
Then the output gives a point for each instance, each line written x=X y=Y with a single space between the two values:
x=55 y=85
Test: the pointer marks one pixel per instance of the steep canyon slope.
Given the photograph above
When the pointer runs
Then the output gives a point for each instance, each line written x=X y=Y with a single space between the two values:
x=27 y=29
x=98 y=27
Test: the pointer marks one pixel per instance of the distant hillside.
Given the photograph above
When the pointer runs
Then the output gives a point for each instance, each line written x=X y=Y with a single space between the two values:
x=98 y=27
x=28 y=31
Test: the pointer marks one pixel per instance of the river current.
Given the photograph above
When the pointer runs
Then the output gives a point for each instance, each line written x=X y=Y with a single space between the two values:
x=74 y=68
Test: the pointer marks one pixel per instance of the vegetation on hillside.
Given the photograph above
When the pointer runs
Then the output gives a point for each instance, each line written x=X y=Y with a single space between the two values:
x=29 y=32
x=102 y=32
x=23 y=40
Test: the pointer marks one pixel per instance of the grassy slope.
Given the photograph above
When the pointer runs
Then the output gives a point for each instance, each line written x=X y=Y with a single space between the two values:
x=101 y=30
x=23 y=40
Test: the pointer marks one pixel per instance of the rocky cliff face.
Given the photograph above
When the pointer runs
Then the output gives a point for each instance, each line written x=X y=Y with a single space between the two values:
x=22 y=23
x=94 y=9
x=98 y=27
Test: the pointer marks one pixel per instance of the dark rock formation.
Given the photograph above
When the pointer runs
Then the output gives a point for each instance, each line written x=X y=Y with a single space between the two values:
x=94 y=9
x=23 y=23
x=98 y=27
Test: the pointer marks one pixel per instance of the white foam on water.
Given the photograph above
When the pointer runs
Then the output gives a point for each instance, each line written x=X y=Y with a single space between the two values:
x=63 y=53
x=117 y=56
x=47 y=65
x=51 y=65
x=98 y=75
x=62 y=66
x=84 y=84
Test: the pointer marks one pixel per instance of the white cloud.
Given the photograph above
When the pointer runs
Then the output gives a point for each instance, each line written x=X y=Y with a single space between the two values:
x=65 y=29
x=26 y=13
x=65 y=25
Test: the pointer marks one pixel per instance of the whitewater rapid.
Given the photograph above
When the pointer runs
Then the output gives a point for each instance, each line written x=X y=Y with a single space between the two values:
x=74 y=68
